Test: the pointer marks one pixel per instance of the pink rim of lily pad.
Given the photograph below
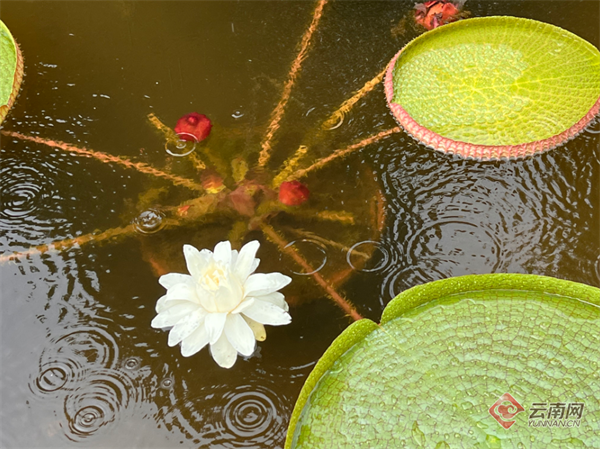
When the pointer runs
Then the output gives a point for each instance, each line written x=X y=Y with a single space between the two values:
x=471 y=150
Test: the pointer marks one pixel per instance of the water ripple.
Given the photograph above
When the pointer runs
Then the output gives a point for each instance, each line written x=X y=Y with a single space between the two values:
x=311 y=250
x=24 y=189
x=149 y=222
x=368 y=257
x=98 y=401
x=250 y=415
x=452 y=245
x=451 y=216
x=181 y=148
x=593 y=127
x=67 y=360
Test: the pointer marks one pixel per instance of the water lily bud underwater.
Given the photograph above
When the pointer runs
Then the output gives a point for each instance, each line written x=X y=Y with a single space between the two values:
x=293 y=193
x=221 y=302
x=433 y=14
x=193 y=127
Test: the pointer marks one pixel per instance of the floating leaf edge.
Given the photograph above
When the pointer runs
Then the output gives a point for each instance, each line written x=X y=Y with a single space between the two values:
x=476 y=150
x=423 y=294
x=12 y=84
x=354 y=333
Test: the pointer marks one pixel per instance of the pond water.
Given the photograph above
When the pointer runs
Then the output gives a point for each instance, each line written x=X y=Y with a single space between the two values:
x=80 y=364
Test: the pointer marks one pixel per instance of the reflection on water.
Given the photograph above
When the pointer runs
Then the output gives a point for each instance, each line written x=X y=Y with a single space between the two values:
x=81 y=364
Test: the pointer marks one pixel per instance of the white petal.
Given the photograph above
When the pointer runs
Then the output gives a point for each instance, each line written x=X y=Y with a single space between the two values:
x=171 y=315
x=182 y=292
x=240 y=335
x=246 y=262
x=160 y=304
x=196 y=260
x=214 y=323
x=267 y=313
x=258 y=329
x=263 y=284
x=186 y=326
x=274 y=298
x=174 y=305
x=223 y=353
x=169 y=280
x=234 y=257
x=223 y=252
x=206 y=298
x=228 y=296
x=243 y=305
x=194 y=342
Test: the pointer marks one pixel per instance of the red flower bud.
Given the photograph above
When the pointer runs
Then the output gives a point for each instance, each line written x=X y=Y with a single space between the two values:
x=193 y=127
x=293 y=193
x=433 y=14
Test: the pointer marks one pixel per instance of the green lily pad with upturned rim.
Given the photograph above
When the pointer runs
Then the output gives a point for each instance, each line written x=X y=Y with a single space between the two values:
x=11 y=70
x=495 y=87
x=444 y=353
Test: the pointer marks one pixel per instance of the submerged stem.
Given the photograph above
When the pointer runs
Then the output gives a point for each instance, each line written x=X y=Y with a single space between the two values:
x=344 y=304
x=336 y=117
x=342 y=217
x=277 y=114
x=343 y=152
x=61 y=245
x=327 y=242
x=107 y=158
x=289 y=166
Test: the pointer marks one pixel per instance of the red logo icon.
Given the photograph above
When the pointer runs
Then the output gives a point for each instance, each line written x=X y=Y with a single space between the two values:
x=505 y=409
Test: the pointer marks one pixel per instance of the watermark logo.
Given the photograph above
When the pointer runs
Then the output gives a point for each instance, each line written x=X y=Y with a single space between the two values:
x=541 y=414
x=505 y=409
x=555 y=414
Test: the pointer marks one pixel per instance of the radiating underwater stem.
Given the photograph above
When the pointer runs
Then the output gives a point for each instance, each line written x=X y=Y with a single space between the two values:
x=344 y=304
x=107 y=158
x=61 y=245
x=338 y=115
x=343 y=152
x=277 y=114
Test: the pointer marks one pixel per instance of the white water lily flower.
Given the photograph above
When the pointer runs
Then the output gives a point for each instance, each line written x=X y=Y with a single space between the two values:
x=221 y=302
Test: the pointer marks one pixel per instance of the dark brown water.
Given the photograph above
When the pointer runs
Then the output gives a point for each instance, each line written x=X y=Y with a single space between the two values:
x=80 y=364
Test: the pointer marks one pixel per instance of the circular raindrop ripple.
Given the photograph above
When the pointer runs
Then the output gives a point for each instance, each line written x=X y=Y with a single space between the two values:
x=247 y=416
x=182 y=147
x=451 y=216
x=24 y=189
x=594 y=126
x=443 y=249
x=454 y=247
x=368 y=257
x=253 y=416
x=132 y=363
x=66 y=361
x=53 y=378
x=99 y=400
x=166 y=383
x=149 y=222
x=313 y=251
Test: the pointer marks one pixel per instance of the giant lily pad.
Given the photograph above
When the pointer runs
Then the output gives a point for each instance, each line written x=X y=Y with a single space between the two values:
x=495 y=87
x=11 y=70
x=444 y=354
